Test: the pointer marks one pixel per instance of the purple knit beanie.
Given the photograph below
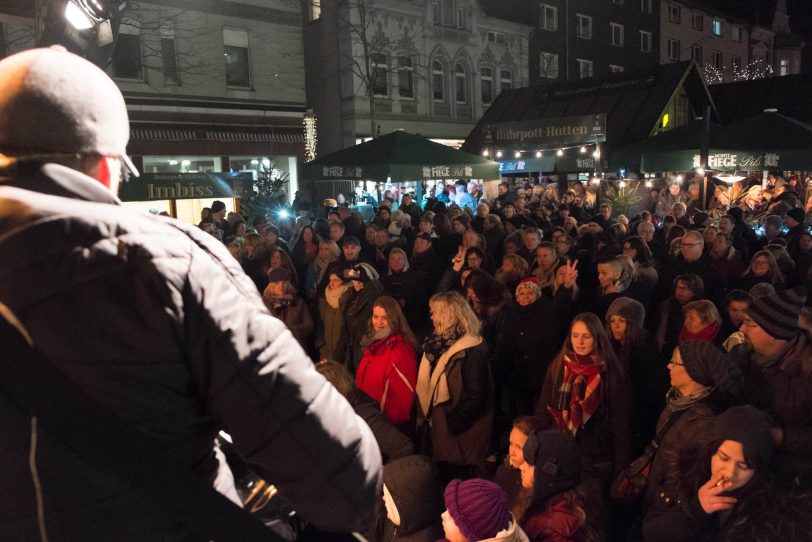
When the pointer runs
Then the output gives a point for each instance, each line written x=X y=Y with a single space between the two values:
x=479 y=508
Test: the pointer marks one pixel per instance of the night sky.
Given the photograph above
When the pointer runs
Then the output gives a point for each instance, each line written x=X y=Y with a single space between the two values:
x=800 y=12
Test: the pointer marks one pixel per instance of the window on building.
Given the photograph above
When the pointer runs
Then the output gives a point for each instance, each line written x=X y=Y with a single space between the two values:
x=235 y=45
x=436 y=13
x=486 y=85
x=584 y=68
x=697 y=21
x=449 y=13
x=718 y=60
x=460 y=84
x=614 y=68
x=548 y=66
x=169 y=59
x=315 y=10
x=736 y=63
x=645 y=6
x=583 y=26
x=496 y=37
x=127 y=56
x=736 y=33
x=673 y=49
x=438 y=81
x=461 y=18
x=405 y=77
x=549 y=17
x=645 y=41
x=783 y=67
x=717 y=27
x=696 y=54
x=380 y=74
x=616 y=34
x=505 y=79
x=674 y=13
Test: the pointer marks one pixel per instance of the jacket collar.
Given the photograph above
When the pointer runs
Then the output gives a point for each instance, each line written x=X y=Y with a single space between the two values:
x=58 y=180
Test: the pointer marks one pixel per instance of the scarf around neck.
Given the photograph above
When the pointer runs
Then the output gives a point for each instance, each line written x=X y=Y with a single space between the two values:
x=579 y=395
x=333 y=297
x=370 y=339
x=436 y=344
x=676 y=401
x=706 y=334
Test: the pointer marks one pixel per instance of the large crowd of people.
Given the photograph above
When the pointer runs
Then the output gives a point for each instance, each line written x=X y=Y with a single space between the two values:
x=537 y=366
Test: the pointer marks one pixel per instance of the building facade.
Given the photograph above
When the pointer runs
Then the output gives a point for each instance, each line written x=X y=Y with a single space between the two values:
x=581 y=39
x=213 y=86
x=426 y=67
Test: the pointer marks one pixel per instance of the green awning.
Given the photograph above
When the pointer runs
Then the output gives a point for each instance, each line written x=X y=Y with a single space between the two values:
x=402 y=157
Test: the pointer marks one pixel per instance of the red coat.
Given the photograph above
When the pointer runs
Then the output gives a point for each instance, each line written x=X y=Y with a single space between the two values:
x=388 y=374
x=557 y=523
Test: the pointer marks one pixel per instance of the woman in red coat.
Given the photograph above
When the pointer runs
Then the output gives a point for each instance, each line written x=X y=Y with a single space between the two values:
x=388 y=370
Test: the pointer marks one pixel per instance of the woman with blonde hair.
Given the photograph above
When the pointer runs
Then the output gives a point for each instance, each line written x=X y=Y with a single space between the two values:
x=388 y=369
x=455 y=410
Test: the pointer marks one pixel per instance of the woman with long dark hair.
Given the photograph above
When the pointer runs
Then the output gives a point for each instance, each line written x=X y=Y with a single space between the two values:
x=638 y=354
x=305 y=250
x=388 y=369
x=586 y=392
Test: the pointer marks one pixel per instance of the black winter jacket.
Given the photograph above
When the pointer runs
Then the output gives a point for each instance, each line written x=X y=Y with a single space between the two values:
x=156 y=322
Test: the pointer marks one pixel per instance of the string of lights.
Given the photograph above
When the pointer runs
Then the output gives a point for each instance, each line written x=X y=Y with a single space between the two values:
x=539 y=153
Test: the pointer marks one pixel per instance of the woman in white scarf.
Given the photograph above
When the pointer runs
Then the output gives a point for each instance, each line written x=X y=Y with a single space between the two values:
x=331 y=318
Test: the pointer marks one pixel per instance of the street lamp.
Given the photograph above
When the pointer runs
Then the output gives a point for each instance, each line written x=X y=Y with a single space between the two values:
x=86 y=27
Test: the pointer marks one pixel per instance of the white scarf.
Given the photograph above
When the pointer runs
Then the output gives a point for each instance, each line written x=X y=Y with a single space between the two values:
x=432 y=386
x=333 y=296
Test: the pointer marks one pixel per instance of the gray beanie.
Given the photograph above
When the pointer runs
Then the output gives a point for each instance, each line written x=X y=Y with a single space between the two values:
x=708 y=366
x=630 y=309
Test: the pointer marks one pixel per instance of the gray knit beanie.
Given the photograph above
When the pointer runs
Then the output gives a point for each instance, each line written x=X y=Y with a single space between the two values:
x=630 y=309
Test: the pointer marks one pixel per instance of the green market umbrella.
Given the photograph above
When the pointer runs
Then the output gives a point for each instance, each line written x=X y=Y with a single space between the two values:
x=402 y=157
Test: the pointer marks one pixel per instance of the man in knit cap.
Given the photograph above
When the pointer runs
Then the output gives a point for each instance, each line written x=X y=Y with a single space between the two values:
x=777 y=363
x=479 y=510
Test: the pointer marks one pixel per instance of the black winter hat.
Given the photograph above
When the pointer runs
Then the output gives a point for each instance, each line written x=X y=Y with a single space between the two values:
x=797 y=214
x=555 y=457
x=707 y=365
x=749 y=426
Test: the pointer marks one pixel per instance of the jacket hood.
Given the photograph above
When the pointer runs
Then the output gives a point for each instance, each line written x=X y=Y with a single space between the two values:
x=416 y=490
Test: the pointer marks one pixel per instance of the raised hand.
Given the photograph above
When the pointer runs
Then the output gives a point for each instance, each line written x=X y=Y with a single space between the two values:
x=567 y=274
x=711 y=496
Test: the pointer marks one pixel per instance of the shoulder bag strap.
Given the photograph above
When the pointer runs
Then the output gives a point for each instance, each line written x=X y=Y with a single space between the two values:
x=64 y=412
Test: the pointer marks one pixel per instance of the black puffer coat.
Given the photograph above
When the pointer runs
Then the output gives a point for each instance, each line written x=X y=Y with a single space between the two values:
x=417 y=492
x=156 y=322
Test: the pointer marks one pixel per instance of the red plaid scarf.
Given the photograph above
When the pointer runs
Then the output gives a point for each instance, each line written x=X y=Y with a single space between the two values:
x=579 y=396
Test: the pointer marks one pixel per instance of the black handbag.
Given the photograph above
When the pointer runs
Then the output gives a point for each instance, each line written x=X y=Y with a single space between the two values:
x=37 y=388
x=629 y=485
